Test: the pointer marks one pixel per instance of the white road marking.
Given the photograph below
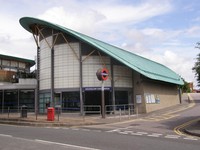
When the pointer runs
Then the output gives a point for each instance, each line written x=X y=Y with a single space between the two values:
x=142 y=132
x=118 y=129
x=85 y=130
x=128 y=131
x=6 y=135
x=123 y=132
x=66 y=145
x=115 y=130
x=97 y=130
x=190 y=138
x=172 y=136
x=136 y=133
x=154 y=135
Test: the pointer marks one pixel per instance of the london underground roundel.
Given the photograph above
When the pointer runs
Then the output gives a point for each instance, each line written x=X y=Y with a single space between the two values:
x=102 y=74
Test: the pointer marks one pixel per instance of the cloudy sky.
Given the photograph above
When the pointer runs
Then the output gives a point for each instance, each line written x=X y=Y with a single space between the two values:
x=165 y=31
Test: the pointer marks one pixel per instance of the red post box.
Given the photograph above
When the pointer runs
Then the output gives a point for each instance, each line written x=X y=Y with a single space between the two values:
x=50 y=114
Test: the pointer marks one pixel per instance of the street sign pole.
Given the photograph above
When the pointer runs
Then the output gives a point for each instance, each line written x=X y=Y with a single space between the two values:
x=102 y=100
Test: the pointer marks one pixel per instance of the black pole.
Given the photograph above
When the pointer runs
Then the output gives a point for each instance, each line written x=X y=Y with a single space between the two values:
x=102 y=100
x=81 y=80
x=52 y=77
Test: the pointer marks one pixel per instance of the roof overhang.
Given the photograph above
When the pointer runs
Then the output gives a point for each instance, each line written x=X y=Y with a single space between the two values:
x=146 y=67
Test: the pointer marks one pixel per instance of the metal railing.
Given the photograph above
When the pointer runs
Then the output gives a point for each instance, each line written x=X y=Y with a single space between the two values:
x=92 y=109
x=122 y=109
x=88 y=110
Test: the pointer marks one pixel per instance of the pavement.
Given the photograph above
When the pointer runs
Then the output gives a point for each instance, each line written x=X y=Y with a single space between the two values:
x=193 y=129
x=74 y=120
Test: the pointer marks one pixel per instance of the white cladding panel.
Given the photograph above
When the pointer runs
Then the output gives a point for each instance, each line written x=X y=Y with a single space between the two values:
x=66 y=66
x=122 y=76
x=90 y=66
x=45 y=64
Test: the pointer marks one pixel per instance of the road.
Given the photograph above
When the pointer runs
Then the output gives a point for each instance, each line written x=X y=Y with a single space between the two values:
x=153 y=132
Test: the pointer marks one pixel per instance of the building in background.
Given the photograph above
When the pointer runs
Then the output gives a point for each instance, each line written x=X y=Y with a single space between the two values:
x=17 y=83
x=67 y=66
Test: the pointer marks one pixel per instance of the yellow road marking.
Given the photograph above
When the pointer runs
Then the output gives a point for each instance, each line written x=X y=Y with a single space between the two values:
x=178 y=129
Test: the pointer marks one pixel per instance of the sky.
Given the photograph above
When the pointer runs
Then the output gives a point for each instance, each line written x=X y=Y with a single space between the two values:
x=165 y=31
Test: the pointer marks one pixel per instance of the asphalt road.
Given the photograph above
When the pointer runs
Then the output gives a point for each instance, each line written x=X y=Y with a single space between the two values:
x=29 y=138
x=158 y=122
x=151 y=133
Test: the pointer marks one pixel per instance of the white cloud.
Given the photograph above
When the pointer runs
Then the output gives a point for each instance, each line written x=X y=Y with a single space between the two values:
x=14 y=40
x=193 y=31
x=123 y=13
x=105 y=16
x=181 y=65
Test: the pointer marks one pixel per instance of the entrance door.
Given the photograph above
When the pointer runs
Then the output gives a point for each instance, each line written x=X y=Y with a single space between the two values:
x=94 y=98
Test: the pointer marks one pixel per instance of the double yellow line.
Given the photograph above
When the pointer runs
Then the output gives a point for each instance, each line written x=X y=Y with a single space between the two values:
x=179 y=129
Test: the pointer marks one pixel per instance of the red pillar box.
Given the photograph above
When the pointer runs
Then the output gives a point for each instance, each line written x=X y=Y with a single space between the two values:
x=50 y=114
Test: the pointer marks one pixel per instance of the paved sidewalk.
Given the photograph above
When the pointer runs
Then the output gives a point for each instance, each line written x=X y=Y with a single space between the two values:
x=193 y=129
x=70 y=120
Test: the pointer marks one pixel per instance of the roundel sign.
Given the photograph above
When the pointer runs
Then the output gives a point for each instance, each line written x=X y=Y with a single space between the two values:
x=102 y=74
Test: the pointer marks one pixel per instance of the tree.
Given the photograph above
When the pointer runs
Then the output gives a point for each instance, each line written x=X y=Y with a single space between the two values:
x=185 y=87
x=196 y=67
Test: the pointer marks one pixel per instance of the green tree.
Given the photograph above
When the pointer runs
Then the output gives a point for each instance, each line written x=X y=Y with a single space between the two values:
x=185 y=87
x=196 y=67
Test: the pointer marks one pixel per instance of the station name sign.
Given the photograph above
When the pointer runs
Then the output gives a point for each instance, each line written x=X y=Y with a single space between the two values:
x=96 y=89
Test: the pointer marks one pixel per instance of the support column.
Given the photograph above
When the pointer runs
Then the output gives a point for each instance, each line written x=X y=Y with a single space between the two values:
x=52 y=77
x=81 y=81
x=38 y=81
x=18 y=100
x=112 y=85
x=3 y=101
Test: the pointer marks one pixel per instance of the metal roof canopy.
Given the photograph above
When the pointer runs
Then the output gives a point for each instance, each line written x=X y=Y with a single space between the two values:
x=146 y=67
x=30 y=62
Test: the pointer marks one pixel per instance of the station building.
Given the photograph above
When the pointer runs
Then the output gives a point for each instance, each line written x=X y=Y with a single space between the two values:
x=17 y=83
x=67 y=66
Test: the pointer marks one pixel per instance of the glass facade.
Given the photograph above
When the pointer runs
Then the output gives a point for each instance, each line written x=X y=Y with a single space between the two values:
x=121 y=97
x=27 y=97
x=44 y=102
x=14 y=99
x=1 y=100
x=11 y=100
x=70 y=101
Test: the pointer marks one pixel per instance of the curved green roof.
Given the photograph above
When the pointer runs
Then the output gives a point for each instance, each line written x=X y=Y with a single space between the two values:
x=146 y=67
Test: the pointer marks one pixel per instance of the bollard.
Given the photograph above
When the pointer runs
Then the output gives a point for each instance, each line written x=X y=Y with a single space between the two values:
x=8 y=112
x=36 y=114
x=83 y=116
x=120 y=114
x=188 y=99
x=58 y=114
x=129 y=112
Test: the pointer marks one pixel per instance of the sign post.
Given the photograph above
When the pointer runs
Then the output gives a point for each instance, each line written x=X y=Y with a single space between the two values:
x=102 y=75
x=103 y=100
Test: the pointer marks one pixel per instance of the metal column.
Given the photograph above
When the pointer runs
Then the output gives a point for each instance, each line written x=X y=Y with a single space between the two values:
x=113 y=86
x=38 y=82
x=52 y=77
x=81 y=81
